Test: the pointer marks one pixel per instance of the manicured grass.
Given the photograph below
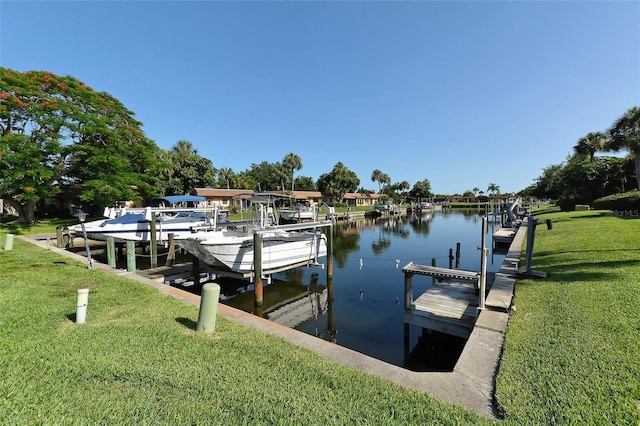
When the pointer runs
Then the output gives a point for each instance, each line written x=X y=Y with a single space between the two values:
x=138 y=360
x=572 y=352
x=47 y=226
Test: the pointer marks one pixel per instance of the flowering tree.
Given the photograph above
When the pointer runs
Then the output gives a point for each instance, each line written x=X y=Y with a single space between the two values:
x=56 y=130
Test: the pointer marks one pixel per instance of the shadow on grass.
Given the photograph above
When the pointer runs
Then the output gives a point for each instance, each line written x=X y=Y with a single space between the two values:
x=541 y=254
x=187 y=322
x=604 y=270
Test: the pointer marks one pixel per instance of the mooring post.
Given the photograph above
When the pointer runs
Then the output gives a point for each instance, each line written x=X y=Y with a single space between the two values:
x=59 y=241
x=406 y=342
x=195 y=263
x=131 y=257
x=257 y=267
x=154 y=241
x=457 y=255
x=329 y=235
x=433 y=263
x=450 y=258
x=171 y=256
x=408 y=290
x=111 y=252
x=330 y=324
x=483 y=265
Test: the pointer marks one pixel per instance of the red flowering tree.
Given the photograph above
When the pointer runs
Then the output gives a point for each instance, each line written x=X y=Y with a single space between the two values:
x=56 y=130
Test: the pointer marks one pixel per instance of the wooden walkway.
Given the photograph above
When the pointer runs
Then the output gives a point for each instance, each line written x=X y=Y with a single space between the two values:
x=449 y=306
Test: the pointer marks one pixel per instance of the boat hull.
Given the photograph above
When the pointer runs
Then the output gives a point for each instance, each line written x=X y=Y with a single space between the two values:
x=235 y=251
x=134 y=227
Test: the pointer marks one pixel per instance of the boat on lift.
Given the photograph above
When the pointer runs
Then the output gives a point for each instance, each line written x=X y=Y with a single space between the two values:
x=173 y=214
x=230 y=246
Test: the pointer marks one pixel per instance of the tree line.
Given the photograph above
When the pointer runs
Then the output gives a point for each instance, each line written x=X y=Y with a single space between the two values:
x=59 y=135
x=585 y=176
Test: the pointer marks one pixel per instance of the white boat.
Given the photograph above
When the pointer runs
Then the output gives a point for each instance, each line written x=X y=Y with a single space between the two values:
x=297 y=214
x=234 y=249
x=135 y=224
x=231 y=247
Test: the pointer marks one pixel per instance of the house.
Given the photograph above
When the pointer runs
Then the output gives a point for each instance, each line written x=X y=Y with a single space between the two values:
x=312 y=198
x=356 y=199
x=226 y=198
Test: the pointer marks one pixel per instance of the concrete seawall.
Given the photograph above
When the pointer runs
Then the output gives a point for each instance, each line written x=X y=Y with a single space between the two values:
x=472 y=382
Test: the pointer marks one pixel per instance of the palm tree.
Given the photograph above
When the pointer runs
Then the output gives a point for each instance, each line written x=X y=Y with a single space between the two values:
x=475 y=191
x=493 y=188
x=381 y=178
x=183 y=149
x=292 y=162
x=625 y=135
x=226 y=174
x=590 y=144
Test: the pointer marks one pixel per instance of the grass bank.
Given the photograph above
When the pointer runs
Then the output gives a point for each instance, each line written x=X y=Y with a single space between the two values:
x=138 y=360
x=572 y=352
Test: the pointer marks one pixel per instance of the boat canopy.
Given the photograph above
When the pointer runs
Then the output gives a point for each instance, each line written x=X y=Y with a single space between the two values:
x=266 y=197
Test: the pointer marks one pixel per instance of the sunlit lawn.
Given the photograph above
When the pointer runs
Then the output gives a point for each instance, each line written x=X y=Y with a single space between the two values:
x=571 y=353
x=138 y=360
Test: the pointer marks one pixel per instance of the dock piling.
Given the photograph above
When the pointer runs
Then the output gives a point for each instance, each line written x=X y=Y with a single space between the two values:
x=131 y=257
x=257 y=267
x=171 y=257
x=111 y=252
x=153 y=245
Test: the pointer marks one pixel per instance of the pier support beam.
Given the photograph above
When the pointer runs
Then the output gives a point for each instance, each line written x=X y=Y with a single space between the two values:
x=329 y=236
x=111 y=252
x=257 y=268
x=131 y=257
x=408 y=291
x=153 y=248
x=171 y=257
x=483 y=265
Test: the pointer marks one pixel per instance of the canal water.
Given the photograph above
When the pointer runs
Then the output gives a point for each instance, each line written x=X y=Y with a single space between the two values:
x=362 y=308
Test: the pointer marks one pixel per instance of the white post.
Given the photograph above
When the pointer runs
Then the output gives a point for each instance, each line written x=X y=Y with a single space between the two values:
x=8 y=242
x=483 y=264
x=82 y=301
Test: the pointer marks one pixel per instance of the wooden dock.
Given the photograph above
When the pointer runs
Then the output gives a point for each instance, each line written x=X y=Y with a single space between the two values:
x=504 y=236
x=451 y=304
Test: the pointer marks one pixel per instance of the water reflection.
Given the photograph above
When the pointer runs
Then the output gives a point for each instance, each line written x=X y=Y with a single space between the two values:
x=360 y=308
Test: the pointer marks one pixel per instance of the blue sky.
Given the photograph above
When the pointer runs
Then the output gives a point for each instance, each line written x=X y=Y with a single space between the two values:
x=464 y=94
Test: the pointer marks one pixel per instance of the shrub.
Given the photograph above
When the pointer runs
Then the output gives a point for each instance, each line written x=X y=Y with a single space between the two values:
x=622 y=201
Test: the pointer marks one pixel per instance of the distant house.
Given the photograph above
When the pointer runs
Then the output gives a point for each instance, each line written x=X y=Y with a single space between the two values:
x=225 y=198
x=356 y=199
x=312 y=198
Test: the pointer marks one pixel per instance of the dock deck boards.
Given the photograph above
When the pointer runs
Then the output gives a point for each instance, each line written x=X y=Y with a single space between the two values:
x=449 y=307
x=504 y=235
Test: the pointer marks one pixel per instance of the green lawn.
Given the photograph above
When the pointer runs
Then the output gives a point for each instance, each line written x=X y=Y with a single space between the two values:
x=572 y=353
x=138 y=360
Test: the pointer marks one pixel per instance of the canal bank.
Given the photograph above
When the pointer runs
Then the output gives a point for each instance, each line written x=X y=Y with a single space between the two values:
x=470 y=384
